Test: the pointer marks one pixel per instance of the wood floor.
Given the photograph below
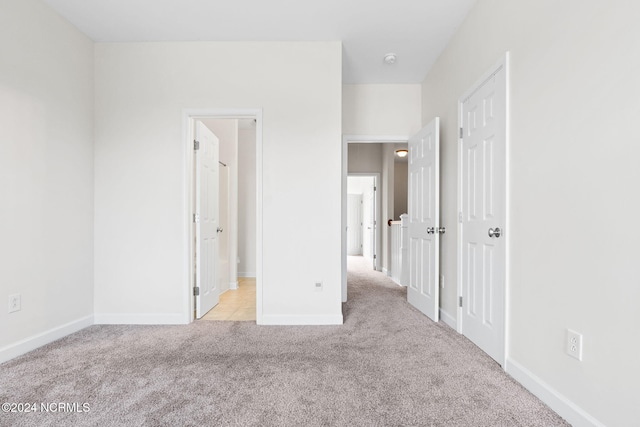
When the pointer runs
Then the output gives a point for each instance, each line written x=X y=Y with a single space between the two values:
x=238 y=304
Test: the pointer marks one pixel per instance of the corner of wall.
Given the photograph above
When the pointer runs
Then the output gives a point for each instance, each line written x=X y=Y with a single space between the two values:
x=562 y=405
x=38 y=340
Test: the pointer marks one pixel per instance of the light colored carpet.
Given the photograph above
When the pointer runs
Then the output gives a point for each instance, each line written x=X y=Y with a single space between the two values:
x=388 y=365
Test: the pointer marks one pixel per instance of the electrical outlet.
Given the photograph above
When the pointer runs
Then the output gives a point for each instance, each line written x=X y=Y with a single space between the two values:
x=441 y=281
x=574 y=344
x=318 y=286
x=15 y=303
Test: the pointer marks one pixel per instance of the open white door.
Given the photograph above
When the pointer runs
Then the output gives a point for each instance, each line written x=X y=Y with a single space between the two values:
x=369 y=224
x=482 y=245
x=354 y=224
x=206 y=219
x=424 y=224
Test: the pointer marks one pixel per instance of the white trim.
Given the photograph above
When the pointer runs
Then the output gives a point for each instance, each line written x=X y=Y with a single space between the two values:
x=459 y=242
x=448 y=319
x=564 y=407
x=139 y=319
x=343 y=221
x=375 y=139
x=507 y=218
x=302 y=320
x=396 y=282
x=503 y=63
x=247 y=274
x=386 y=272
x=188 y=115
x=233 y=286
x=31 y=343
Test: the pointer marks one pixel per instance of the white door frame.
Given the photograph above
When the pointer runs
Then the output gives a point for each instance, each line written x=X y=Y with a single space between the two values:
x=503 y=63
x=377 y=209
x=188 y=117
x=346 y=139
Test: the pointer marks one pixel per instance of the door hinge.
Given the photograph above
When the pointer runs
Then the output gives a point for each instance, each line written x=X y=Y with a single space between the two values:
x=196 y=291
x=196 y=218
x=375 y=256
x=461 y=133
x=196 y=145
x=460 y=302
x=460 y=217
x=375 y=188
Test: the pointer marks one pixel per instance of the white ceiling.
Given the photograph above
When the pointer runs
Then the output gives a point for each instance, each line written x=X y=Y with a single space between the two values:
x=416 y=30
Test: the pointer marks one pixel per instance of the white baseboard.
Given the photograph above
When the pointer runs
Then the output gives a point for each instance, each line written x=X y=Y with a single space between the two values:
x=302 y=320
x=233 y=286
x=139 y=319
x=564 y=407
x=28 y=344
x=247 y=274
x=385 y=271
x=448 y=319
x=397 y=282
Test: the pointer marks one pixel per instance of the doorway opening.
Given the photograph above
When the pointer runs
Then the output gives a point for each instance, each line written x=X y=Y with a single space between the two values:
x=363 y=217
x=372 y=156
x=234 y=206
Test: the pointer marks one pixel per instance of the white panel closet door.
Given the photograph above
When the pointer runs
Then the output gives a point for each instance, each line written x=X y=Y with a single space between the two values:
x=483 y=215
x=207 y=225
x=424 y=225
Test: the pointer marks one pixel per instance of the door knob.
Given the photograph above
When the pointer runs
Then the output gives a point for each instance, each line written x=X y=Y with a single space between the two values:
x=441 y=230
x=495 y=232
x=431 y=230
x=219 y=230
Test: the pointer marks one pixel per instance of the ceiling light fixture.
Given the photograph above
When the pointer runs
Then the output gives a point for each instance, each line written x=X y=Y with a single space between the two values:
x=403 y=152
x=390 y=58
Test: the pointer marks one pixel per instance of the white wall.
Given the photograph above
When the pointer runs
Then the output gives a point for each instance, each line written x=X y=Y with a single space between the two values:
x=247 y=202
x=46 y=168
x=574 y=257
x=365 y=158
x=400 y=187
x=381 y=109
x=141 y=91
